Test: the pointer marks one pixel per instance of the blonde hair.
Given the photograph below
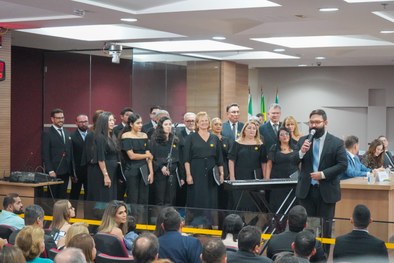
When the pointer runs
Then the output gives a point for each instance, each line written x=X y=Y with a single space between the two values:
x=199 y=116
x=108 y=221
x=84 y=242
x=297 y=132
x=61 y=214
x=30 y=240
x=256 y=137
x=75 y=229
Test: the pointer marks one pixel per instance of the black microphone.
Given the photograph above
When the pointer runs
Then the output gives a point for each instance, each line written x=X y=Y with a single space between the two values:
x=311 y=134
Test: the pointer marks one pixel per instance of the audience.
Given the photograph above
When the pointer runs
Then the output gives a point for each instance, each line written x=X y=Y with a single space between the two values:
x=146 y=248
x=131 y=234
x=31 y=241
x=12 y=205
x=114 y=219
x=84 y=242
x=304 y=245
x=214 y=251
x=11 y=254
x=359 y=245
x=232 y=224
x=70 y=255
x=62 y=212
x=75 y=229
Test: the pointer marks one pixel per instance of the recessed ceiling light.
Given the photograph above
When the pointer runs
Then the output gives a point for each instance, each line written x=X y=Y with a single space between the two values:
x=129 y=19
x=302 y=65
x=387 y=31
x=279 y=50
x=328 y=9
x=320 y=58
x=218 y=38
x=388 y=15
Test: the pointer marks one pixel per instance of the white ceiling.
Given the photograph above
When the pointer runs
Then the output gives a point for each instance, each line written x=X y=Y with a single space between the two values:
x=176 y=20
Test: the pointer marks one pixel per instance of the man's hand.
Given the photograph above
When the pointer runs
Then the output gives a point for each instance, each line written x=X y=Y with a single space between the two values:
x=316 y=176
x=306 y=146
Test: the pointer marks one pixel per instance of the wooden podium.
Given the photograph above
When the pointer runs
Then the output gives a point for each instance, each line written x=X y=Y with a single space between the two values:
x=378 y=197
x=25 y=190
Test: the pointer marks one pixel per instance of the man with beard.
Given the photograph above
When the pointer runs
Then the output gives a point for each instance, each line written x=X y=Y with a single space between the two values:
x=81 y=169
x=12 y=205
x=318 y=187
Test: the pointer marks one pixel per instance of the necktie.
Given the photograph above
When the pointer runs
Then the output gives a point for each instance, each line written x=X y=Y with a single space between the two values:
x=276 y=128
x=316 y=146
x=61 y=134
x=83 y=135
x=234 y=131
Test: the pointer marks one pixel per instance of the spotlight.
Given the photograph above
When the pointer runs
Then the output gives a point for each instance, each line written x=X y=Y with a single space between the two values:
x=115 y=51
x=115 y=58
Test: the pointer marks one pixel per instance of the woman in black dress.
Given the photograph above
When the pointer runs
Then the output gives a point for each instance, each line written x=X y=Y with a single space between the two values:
x=283 y=159
x=246 y=158
x=162 y=142
x=104 y=163
x=202 y=152
x=137 y=155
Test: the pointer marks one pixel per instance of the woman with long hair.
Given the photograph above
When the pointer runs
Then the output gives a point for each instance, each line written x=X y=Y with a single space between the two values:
x=283 y=159
x=85 y=242
x=62 y=212
x=374 y=157
x=31 y=241
x=102 y=174
x=138 y=159
x=291 y=124
x=75 y=229
x=114 y=219
x=163 y=142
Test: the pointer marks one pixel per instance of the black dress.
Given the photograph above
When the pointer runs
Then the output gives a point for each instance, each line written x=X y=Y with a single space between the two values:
x=165 y=187
x=224 y=197
x=101 y=151
x=247 y=162
x=283 y=165
x=137 y=191
x=202 y=157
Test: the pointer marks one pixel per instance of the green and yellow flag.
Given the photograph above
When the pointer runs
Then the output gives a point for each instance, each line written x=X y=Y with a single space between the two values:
x=262 y=106
x=277 y=97
x=250 y=107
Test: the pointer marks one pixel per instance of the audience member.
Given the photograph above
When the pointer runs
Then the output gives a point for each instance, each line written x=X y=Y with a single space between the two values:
x=374 y=157
x=12 y=206
x=131 y=234
x=388 y=157
x=85 y=242
x=269 y=130
x=214 y=251
x=304 y=245
x=114 y=219
x=146 y=248
x=173 y=244
x=11 y=254
x=70 y=255
x=233 y=127
x=359 y=245
x=62 y=212
x=31 y=241
x=249 y=240
x=75 y=229
x=285 y=257
x=232 y=224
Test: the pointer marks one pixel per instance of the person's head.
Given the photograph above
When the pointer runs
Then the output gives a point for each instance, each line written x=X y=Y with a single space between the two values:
x=233 y=112
x=189 y=119
x=250 y=130
x=202 y=121
x=13 y=203
x=160 y=114
x=285 y=257
x=131 y=223
x=11 y=254
x=82 y=122
x=115 y=215
x=75 y=229
x=318 y=121
x=304 y=244
x=57 y=117
x=96 y=114
x=34 y=215
x=260 y=116
x=70 y=255
x=291 y=124
x=146 y=248
x=134 y=123
x=125 y=113
x=249 y=239
x=214 y=251
x=153 y=111
x=232 y=224
x=62 y=212
x=385 y=142
x=297 y=218
x=85 y=242
x=105 y=123
x=351 y=144
x=171 y=219
x=361 y=217
x=376 y=148
x=31 y=241
x=163 y=131
x=284 y=136
x=216 y=125
x=274 y=112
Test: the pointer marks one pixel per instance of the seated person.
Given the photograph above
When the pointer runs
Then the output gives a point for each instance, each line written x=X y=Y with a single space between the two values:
x=12 y=206
x=304 y=245
x=146 y=248
x=374 y=157
x=114 y=221
x=231 y=226
x=75 y=229
x=214 y=251
x=388 y=157
x=131 y=234
x=11 y=254
x=71 y=254
x=62 y=212
x=31 y=241
x=85 y=242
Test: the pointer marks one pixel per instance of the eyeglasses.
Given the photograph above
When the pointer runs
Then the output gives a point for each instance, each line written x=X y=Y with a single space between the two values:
x=284 y=134
x=59 y=118
x=190 y=121
x=315 y=122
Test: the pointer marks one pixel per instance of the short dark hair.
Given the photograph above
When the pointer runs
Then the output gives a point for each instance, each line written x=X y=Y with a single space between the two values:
x=259 y=115
x=297 y=218
x=231 y=105
x=304 y=243
x=56 y=110
x=32 y=212
x=131 y=223
x=361 y=216
x=319 y=112
x=350 y=141
x=126 y=109
x=232 y=224
x=171 y=219
x=213 y=251
x=154 y=108
x=9 y=199
x=146 y=248
x=248 y=238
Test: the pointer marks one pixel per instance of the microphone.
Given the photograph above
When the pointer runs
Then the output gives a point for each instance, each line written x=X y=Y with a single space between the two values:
x=311 y=134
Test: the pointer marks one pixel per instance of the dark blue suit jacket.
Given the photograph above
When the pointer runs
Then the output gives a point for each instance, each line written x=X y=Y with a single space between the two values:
x=269 y=137
x=228 y=130
x=180 y=249
x=354 y=168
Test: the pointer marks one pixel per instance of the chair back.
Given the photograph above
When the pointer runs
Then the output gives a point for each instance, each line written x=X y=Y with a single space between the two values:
x=6 y=231
x=110 y=245
x=104 y=258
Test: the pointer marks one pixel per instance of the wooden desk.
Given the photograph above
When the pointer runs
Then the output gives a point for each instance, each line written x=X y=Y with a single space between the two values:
x=378 y=197
x=25 y=190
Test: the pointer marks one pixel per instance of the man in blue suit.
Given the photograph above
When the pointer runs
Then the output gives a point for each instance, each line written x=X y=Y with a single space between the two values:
x=269 y=130
x=233 y=127
x=354 y=167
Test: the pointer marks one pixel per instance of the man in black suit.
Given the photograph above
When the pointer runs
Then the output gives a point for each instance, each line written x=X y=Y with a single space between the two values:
x=249 y=240
x=359 y=245
x=56 y=149
x=124 y=116
x=152 y=122
x=81 y=169
x=304 y=246
x=388 y=157
x=233 y=127
x=269 y=130
x=318 y=187
x=296 y=221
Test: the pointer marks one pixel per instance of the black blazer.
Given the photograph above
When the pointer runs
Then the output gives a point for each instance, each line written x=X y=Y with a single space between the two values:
x=246 y=257
x=79 y=152
x=267 y=133
x=147 y=127
x=118 y=128
x=333 y=162
x=56 y=155
x=361 y=245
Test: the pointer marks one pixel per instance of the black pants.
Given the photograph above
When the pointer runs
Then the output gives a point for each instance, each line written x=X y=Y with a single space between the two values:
x=59 y=191
x=165 y=190
x=137 y=191
x=82 y=179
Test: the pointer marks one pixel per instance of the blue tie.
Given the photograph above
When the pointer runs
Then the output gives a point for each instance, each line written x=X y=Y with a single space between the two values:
x=316 y=146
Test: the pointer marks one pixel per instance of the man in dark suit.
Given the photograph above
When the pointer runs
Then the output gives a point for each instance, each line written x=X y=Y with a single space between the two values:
x=388 y=157
x=152 y=122
x=56 y=149
x=81 y=169
x=124 y=116
x=296 y=221
x=318 y=187
x=304 y=246
x=269 y=130
x=233 y=127
x=359 y=245
x=249 y=240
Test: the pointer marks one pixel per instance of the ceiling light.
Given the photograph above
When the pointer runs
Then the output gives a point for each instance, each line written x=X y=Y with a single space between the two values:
x=328 y=9
x=218 y=38
x=129 y=19
x=387 y=31
x=302 y=65
x=320 y=58
x=115 y=51
x=366 y=1
x=388 y=15
x=279 y=50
